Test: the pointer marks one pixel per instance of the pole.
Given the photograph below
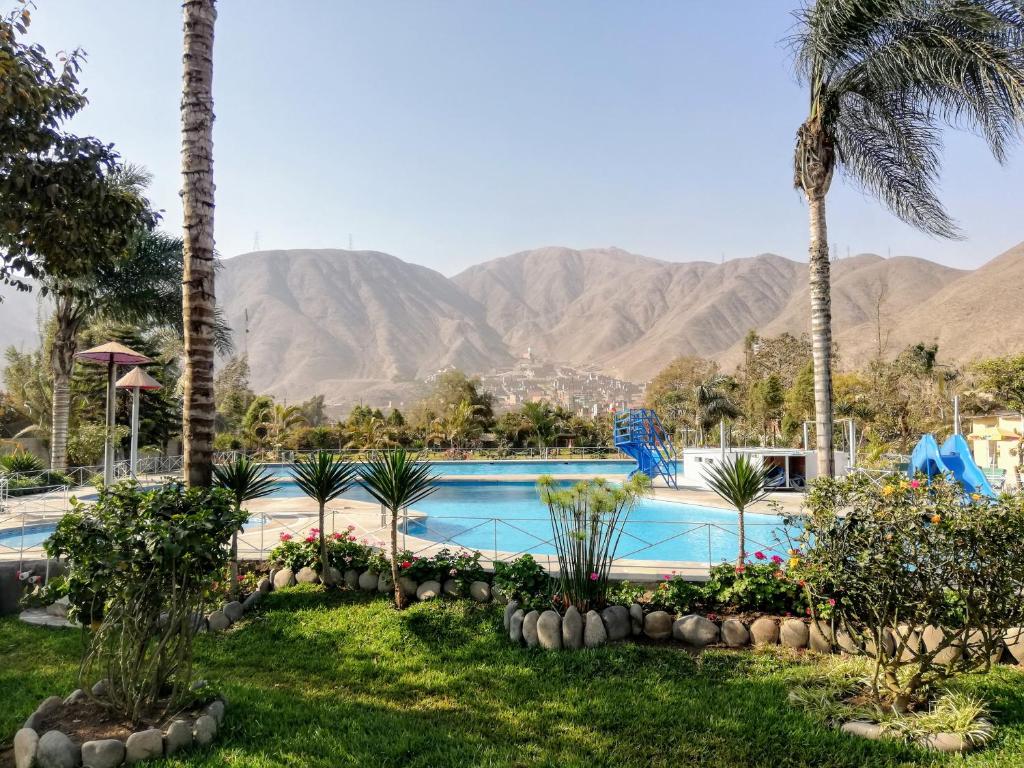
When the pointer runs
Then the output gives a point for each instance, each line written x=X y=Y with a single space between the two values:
x=134 y=455
x=956 y=414
x=721 y=436
x=852 y=431
x=108 y=441
x=807 y=441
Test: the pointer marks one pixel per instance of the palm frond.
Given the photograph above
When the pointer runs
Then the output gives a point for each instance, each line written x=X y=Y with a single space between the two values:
x=323 y=477
x=244 y=479
x=397 y=479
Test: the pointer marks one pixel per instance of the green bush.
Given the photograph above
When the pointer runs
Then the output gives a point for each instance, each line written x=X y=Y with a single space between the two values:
x=753 y=587
x=20 y=461
x=523 y=579
x=624 y=593
x=677 y=595
x=343 y=551
x=901 y=555
x=37 y=483
x=140 y=563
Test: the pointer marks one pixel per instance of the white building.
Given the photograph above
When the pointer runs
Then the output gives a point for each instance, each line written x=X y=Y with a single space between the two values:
x=796 y=467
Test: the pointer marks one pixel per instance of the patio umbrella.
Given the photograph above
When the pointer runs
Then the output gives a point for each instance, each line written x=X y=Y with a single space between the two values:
x=113 y=354
x=136 y=380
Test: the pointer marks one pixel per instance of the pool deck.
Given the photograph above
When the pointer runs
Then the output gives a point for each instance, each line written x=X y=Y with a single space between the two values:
x=295 y=516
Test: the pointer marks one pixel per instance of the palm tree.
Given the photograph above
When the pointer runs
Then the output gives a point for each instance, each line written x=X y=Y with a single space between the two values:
x=370 y=432
x=397 y=480
x=543 y=421
x=246 y=480
x=739 y=482
x=198 y=296
x=883 y=76
x=711 y=404
x=323 y=478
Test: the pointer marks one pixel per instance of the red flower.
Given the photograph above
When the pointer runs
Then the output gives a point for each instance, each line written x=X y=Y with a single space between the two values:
x=406 y=564
x=740 y=569
x=776 y=559
x=311 y=538
x=759 y=555
x=286 y=537
x=335 y=535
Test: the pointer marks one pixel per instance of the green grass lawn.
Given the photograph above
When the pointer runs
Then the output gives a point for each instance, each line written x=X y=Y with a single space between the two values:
x=344 y=680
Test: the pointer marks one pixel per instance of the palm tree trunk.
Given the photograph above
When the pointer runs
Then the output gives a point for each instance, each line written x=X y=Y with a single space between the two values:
x=394 y=559
x=741 y=531
x=821 y=333
x=62 y=361
x=323 y=547
x=198 y=297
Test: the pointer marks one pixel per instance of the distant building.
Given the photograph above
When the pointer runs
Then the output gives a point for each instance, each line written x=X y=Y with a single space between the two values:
x=995 y=441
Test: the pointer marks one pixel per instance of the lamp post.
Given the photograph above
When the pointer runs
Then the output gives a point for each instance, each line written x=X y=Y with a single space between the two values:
x=136 y=380
x=113 y=355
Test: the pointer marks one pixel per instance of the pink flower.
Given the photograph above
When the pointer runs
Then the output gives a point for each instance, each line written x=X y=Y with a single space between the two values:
x=759 y=555
x=314 y=531
x=915 y=484
x=832 y=601
x=351 y=528
x=740 y=569
x=335 y=535
x=286 y=537
x=593 y=577
x=776 y=559
x=667 y=576
x=311 y=538
x=453 y=572
x=352 y=538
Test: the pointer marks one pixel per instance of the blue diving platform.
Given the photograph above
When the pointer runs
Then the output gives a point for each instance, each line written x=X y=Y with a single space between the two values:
x=640 y=435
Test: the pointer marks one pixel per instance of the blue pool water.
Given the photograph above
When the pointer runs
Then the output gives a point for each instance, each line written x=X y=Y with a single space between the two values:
x=605 y=467
x=35 y=535
x=509 y=516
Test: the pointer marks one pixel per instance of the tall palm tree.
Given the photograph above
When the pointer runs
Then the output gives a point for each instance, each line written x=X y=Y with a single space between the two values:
x=543 y=421
x=323 y=478
x=276 y=420
x=883 y=76
x=198 y=296
x=711 y=404
x=246 y=480
x=740 y=482
x=397 y=480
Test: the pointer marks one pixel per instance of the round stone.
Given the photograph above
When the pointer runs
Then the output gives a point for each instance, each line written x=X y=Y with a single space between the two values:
x=498 y=595
x=178 y=737
x=407 y=585
x=735 y=633
x=617 y=623
x=549 y=631
x=764 y=631
x=480 y=591
x=933 y=638
x=384 y=582
x=56 y=750
x=572 y=629
x=910 y=638
x=944 y=742
x=352 y=578
x=515 y=626
x=307 y=576
x=215 y=709
x=695 y=630
x=1014 y=639
x=103 y=753
x=794 y=633
x=428 y=590
x=144 y=745
x=451 y=588
x=509 y=610
x=862 y=728
x=99 y=688
x=204 y=730
x=218 y=621
x=332 y=576
x=284 y=578
x=266 y=585
x=658 y=625
x=233 y=611
x=368 y=581
x=250 y=602
x=594 y=632
x=75 y=696
x=26 y=744
x=636 y=618
x=846 y=643
x=530 y=628
x=819 y=637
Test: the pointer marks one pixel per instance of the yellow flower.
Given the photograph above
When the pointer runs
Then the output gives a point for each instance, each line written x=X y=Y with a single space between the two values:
x=936 y=519
x=794 y=562
x=976 y=496
x=888 y=491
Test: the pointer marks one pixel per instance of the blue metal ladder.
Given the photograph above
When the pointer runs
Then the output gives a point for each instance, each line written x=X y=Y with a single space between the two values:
x=640 y=435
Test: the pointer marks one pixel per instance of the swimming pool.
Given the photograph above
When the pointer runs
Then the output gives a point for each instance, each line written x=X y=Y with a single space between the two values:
x=606 y=467
x=508 y=516
x=34 y=535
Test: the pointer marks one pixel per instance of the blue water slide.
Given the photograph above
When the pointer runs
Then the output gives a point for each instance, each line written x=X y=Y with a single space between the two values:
x=954 y=459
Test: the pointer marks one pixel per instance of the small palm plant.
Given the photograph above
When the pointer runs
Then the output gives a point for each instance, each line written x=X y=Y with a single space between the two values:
x=323 y=477
x=397 y=480
x=741 y=482
x=245 y=480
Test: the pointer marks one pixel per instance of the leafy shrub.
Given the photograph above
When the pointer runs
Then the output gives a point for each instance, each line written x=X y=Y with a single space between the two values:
x=37 y=483
x=677 y=595
x=463 y=566
x=624 y=593
x=343 y=551
x=20 y=461
x=143 y=561
x=587 y=520
x=523 y=579
x=758 y=586
x=903 y=555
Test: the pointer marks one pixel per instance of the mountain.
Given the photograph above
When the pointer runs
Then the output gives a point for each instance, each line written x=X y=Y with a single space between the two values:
x=350 y=324
x=366 y=326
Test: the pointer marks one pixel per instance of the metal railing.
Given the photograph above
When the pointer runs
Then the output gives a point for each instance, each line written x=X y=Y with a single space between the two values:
x=480 y=454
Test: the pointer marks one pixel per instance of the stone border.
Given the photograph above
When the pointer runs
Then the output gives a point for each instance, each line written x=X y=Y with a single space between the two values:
x=937 y=742
x=371 y=581
x=56 y=748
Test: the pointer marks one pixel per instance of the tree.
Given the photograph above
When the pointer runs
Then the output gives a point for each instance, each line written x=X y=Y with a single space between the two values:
x=198 y=295
x=314 y=411
x=245 y=480
x=397 y=480
x=712 y=403
x=233 y=395
x=453 y=387
x=740 y=482
x=1004 y=378
x=458 y=424
x=323 y=478
x=671 y=392
x=883 y=77
x=58 y=210
x=544 y=422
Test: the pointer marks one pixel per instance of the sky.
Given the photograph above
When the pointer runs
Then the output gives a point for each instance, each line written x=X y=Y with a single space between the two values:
x=449 y=132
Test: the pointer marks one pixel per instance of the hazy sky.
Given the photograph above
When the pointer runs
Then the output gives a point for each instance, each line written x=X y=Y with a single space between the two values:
x=447 y=132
